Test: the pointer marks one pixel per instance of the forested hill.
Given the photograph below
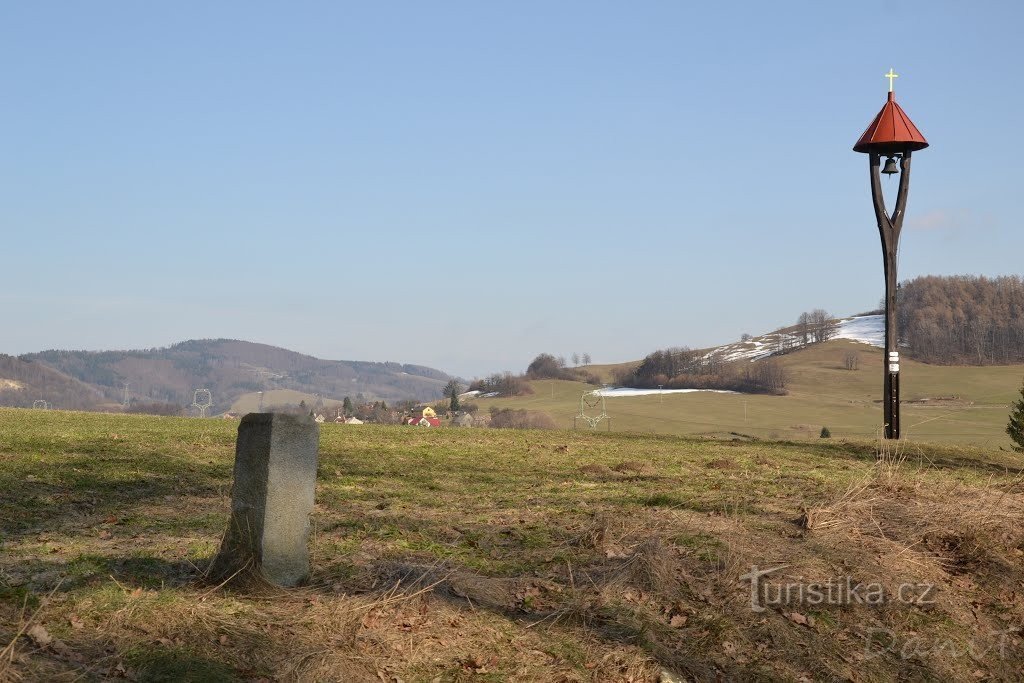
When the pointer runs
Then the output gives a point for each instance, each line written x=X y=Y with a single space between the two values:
x=230 y=368
x=24 y=383
x=963 y=319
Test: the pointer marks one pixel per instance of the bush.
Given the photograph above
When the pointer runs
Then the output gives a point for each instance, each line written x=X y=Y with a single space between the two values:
x=546 y=366
x=825 y=433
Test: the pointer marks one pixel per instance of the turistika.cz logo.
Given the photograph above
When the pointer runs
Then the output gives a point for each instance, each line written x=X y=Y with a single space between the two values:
x=766 y=594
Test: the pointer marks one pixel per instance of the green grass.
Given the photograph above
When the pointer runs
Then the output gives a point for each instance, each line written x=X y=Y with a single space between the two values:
x=821 y=393
x=554 y=554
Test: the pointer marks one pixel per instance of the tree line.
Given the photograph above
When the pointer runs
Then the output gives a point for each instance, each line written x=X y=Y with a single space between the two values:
x=685 y=368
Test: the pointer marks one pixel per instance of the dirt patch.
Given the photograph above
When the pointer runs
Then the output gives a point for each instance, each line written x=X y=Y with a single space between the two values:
x=722 y=464
x=941 y=401
x=959 y=553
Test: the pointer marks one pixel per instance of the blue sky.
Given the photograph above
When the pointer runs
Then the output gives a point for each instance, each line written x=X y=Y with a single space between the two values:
x=467 y=184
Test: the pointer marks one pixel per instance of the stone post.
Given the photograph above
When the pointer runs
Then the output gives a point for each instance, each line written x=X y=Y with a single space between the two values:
x=272 y=498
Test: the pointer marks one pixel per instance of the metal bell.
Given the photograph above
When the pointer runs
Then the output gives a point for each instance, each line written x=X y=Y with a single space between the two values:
x=890 y=167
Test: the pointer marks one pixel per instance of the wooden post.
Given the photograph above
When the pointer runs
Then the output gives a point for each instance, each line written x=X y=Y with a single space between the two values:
x=889 y=228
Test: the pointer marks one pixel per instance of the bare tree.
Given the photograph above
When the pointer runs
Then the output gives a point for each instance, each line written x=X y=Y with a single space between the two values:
x=826 y=324
x=816 y=326
x=586 y=359
x=770 y=374
x=575 y=360
x=851 y=361
x=803 y=328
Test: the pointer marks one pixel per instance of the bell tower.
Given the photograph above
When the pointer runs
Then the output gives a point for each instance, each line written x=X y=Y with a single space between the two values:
x=893 y=135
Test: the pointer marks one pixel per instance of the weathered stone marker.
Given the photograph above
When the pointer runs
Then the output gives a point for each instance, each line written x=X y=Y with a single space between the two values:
x=275 y=477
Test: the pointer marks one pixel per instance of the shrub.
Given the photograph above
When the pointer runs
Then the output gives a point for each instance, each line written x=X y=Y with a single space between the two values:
x=544 y=366
x=825 y=433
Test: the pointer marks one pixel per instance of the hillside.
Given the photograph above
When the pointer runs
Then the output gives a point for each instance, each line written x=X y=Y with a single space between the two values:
x=948 y=404
x=867 y=329
x=23 y=382
x=230 y=369
x=494 y=555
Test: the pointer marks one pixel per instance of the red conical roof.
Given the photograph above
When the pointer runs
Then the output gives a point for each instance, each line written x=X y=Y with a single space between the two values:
x=892 y=131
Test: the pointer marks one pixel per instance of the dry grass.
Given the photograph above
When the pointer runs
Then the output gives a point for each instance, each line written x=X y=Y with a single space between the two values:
x=471 y=555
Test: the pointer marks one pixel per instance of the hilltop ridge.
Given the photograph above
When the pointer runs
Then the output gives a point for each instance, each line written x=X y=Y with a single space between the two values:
x=229 y=368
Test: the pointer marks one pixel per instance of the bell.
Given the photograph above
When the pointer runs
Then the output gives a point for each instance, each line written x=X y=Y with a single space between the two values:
x=890 y=167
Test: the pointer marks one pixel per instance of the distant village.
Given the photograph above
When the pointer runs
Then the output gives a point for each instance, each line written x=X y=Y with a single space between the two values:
x=378 y=412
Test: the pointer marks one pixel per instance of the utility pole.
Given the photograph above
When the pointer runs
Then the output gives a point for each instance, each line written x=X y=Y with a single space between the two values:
x=892 y=134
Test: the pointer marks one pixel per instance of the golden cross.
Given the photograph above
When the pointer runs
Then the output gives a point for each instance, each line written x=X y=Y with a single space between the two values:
x=891 y=75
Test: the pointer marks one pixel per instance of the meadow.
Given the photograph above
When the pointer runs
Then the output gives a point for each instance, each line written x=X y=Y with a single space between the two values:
x=940 y=404
x=490 y=555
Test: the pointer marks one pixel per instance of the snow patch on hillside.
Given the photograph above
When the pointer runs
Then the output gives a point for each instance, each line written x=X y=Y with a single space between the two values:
x=866 y=329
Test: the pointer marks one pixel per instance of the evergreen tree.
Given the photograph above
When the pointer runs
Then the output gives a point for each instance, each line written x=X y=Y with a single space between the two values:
x=346 y=405
x=1015 y=427
x=452 y=391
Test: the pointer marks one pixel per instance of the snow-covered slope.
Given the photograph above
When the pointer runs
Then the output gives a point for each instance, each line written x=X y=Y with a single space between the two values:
x=867 y=329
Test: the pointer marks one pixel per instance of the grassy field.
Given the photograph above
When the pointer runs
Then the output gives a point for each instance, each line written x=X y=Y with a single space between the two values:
x=489 y=555
x=941 y=404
